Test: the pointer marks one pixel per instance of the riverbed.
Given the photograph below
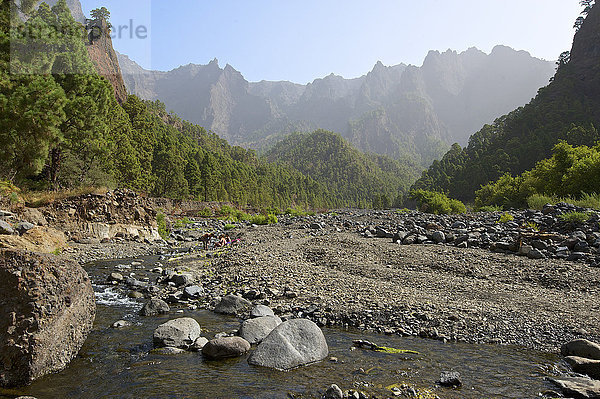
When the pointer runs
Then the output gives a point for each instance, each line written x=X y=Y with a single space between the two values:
x=118 y=363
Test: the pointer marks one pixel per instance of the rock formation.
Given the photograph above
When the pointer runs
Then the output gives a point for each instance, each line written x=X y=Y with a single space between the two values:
x=47 y=309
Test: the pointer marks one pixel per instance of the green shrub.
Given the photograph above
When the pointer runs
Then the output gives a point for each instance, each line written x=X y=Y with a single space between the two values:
x=263 y=219
x=205 y=212
x=575 y=217
x=591 y=201
x=297 y=212
x=229 y=226
x=533 y=226
x=489 y=208
x=505 y=218
x=161 y=221
x=437 y=203
x=181 y=223
x=537 y=201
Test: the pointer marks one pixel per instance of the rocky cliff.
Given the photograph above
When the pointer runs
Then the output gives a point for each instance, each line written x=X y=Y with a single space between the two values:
x=105 y=60
x=402 y=111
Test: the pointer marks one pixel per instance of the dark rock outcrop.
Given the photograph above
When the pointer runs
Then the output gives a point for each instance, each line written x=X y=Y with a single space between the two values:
x=47 y=309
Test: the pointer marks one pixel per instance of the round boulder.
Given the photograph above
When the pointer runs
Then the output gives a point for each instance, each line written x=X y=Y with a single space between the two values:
x=232 y=305
x=581 y=348
x=47 y=309
x=179 y=333
x=220 y=348
x=255 y=330
x=261 y=310
x=154 y=307
x=292 y=344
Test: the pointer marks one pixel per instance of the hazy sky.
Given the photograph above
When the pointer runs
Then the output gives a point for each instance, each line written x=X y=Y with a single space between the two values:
x=303 y=40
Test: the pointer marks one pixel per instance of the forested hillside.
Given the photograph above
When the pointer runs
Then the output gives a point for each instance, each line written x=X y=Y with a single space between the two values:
x=568 y=109
x=62 y=128
x=352 y=177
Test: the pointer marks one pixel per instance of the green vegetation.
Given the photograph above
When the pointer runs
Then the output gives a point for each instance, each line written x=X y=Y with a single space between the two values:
x=569 y=175
x=263 y=219
x=489 y=208
x=181 y=223
x=437 y=203
x=297 y=212
x=575 y=217
x=161 y=221
x=352 y=178
x=567 y=109
x=533 y=226
x=229 y=227
x=505 y=218
x=385 y=349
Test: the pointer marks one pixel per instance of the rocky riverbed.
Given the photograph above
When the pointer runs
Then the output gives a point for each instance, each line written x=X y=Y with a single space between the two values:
x=334 y=270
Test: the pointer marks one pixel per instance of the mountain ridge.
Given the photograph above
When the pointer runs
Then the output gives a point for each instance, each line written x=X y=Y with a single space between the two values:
x=388 y=110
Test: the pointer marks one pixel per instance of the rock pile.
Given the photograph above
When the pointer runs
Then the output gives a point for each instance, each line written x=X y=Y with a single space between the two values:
x=584 y=357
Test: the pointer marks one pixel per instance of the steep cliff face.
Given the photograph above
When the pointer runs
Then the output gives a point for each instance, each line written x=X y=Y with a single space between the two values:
x=105 y=60
x=585 y=57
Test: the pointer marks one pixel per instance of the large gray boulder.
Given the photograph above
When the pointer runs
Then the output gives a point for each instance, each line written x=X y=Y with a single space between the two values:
x=582 y=365
x=292 y=344
x=232 y=305
x=154 y=307
x=255 y=330
x=223 y=347
x=47 y=309
x=576 y=387
x=179 y=333
x=581 y=348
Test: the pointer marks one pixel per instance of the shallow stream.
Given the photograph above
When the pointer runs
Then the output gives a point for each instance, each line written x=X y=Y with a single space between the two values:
x=117 y=363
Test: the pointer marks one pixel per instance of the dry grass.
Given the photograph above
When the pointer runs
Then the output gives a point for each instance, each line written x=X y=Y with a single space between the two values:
x=36 y=199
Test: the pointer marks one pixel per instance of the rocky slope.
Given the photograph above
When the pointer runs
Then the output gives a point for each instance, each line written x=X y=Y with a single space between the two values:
x=105 y=60
x=399 y=110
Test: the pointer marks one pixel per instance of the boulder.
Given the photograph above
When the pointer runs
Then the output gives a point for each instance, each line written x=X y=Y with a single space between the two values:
x=6 y=228
x=576 y=387
x=223 y=347
x=292 y=344
x=582 y=365
x=257 y=329
x=154 y=307
x=23 y=227
x=182 y=279
x=193 y=291
x=34 y=216
x=199 y=344
x=261 y=310
x=47 y=309
x=581 y=348
x=179 y=333
x=232 y=305
x=167 y=351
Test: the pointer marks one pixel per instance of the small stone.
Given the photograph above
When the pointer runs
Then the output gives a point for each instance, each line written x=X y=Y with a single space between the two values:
x=333 y=392
x=193 y=291
x=179 y=333
x=450 y=379
x=182 y=279
x=135 y=295
x=225 y=347
x=24 y=227
x=116 y=277
x=121 y=324
x=167 y=351
x=154 y=307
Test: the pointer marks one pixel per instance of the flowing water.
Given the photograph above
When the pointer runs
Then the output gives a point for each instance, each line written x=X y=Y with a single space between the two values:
x=117 y=363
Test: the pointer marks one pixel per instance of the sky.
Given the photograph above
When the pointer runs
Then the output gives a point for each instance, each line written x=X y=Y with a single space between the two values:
x=303 y=40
